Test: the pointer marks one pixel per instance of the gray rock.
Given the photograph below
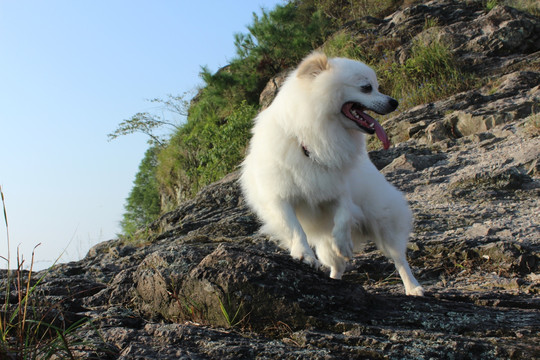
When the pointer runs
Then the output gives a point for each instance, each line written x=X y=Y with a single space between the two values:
x=201 y=283
x=196 y=290
x=515 y=97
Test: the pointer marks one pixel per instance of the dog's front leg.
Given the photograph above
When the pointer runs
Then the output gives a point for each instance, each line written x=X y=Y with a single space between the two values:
x=287 y=221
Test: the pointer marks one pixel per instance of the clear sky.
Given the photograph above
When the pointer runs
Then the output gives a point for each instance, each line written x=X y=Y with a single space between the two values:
x=70 y=71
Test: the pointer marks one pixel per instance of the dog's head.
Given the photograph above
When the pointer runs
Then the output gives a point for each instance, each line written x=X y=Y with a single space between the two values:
x=350 y=88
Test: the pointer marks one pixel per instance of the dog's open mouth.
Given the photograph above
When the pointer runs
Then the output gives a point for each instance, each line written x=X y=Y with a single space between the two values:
x=355 y=112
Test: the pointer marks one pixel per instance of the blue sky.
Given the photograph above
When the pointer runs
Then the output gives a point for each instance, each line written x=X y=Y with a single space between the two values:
x=70 y=71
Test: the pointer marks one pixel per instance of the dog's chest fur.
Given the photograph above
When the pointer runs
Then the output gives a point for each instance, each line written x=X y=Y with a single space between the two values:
x=313 y=182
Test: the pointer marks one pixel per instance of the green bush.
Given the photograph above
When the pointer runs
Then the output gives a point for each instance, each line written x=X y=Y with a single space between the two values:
x=343 y=44
x=143 y=203
x=224 y=145
x=202 y=153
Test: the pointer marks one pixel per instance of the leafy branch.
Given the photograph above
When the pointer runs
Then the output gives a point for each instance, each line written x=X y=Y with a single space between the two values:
x=147 y=123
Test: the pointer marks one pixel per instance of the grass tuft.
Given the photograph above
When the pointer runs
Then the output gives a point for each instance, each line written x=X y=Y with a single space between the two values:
x=429 y=72
x=227 y=311
x=532 y=125
x=529 y=6
x=28 y=330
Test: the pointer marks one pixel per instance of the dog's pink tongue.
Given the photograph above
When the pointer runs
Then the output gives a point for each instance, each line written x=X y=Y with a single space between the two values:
x=381 y=134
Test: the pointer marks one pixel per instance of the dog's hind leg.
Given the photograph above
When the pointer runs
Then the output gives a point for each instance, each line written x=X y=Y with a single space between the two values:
x=396 y=251
x=395 y=248
x=412 y=287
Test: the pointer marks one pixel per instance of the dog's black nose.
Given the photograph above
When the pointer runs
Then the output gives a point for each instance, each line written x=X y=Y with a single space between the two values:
x=393 y=103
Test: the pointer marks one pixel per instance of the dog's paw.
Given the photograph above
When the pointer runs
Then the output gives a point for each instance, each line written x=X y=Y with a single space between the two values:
x=312 y=261
x=335 y=273
x=306 y=255
x=417 y=291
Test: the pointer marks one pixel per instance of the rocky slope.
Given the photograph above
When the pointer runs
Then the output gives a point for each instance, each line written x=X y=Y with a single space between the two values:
x=201 y=284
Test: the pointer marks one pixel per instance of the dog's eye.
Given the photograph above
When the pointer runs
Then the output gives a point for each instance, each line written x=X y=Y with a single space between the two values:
x=366 y=88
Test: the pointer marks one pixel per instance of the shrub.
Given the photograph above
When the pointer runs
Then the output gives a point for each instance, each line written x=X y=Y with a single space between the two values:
x=203 y=152
x=224 y=145
x=143 y=203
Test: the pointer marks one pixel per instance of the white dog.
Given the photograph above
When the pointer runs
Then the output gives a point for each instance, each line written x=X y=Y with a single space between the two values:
x=308 y=176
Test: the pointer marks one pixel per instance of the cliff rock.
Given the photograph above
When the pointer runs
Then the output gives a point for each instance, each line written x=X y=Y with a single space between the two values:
x=201 y=283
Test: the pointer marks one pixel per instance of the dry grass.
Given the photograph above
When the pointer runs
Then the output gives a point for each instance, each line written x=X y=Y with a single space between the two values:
x=28 y=330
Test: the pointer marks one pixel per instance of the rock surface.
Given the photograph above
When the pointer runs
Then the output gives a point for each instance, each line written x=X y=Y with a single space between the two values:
x=200 y=283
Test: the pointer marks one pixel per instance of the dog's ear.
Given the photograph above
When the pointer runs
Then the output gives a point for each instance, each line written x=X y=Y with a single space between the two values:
x=313 y=65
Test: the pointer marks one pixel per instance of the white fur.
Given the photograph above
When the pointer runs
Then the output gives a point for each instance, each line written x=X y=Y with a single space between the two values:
x=322 y=207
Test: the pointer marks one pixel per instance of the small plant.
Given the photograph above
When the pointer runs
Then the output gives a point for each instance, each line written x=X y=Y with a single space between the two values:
x=529 y=6
x=430 y=22
x=189 y=309
x=532 y=125
x=141 y=237
x=490 y=4
x=227 y=311
x=343 y=44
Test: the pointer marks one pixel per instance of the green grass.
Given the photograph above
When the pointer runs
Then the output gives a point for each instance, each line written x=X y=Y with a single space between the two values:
x=342 y=12
x=429 y=73
x=204 y=151
x=490 y=4
x=532 y=125
x=529 y=6
x=228 y=310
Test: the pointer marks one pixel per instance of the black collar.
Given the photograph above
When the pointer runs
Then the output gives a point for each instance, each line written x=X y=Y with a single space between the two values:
x=305 y=150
